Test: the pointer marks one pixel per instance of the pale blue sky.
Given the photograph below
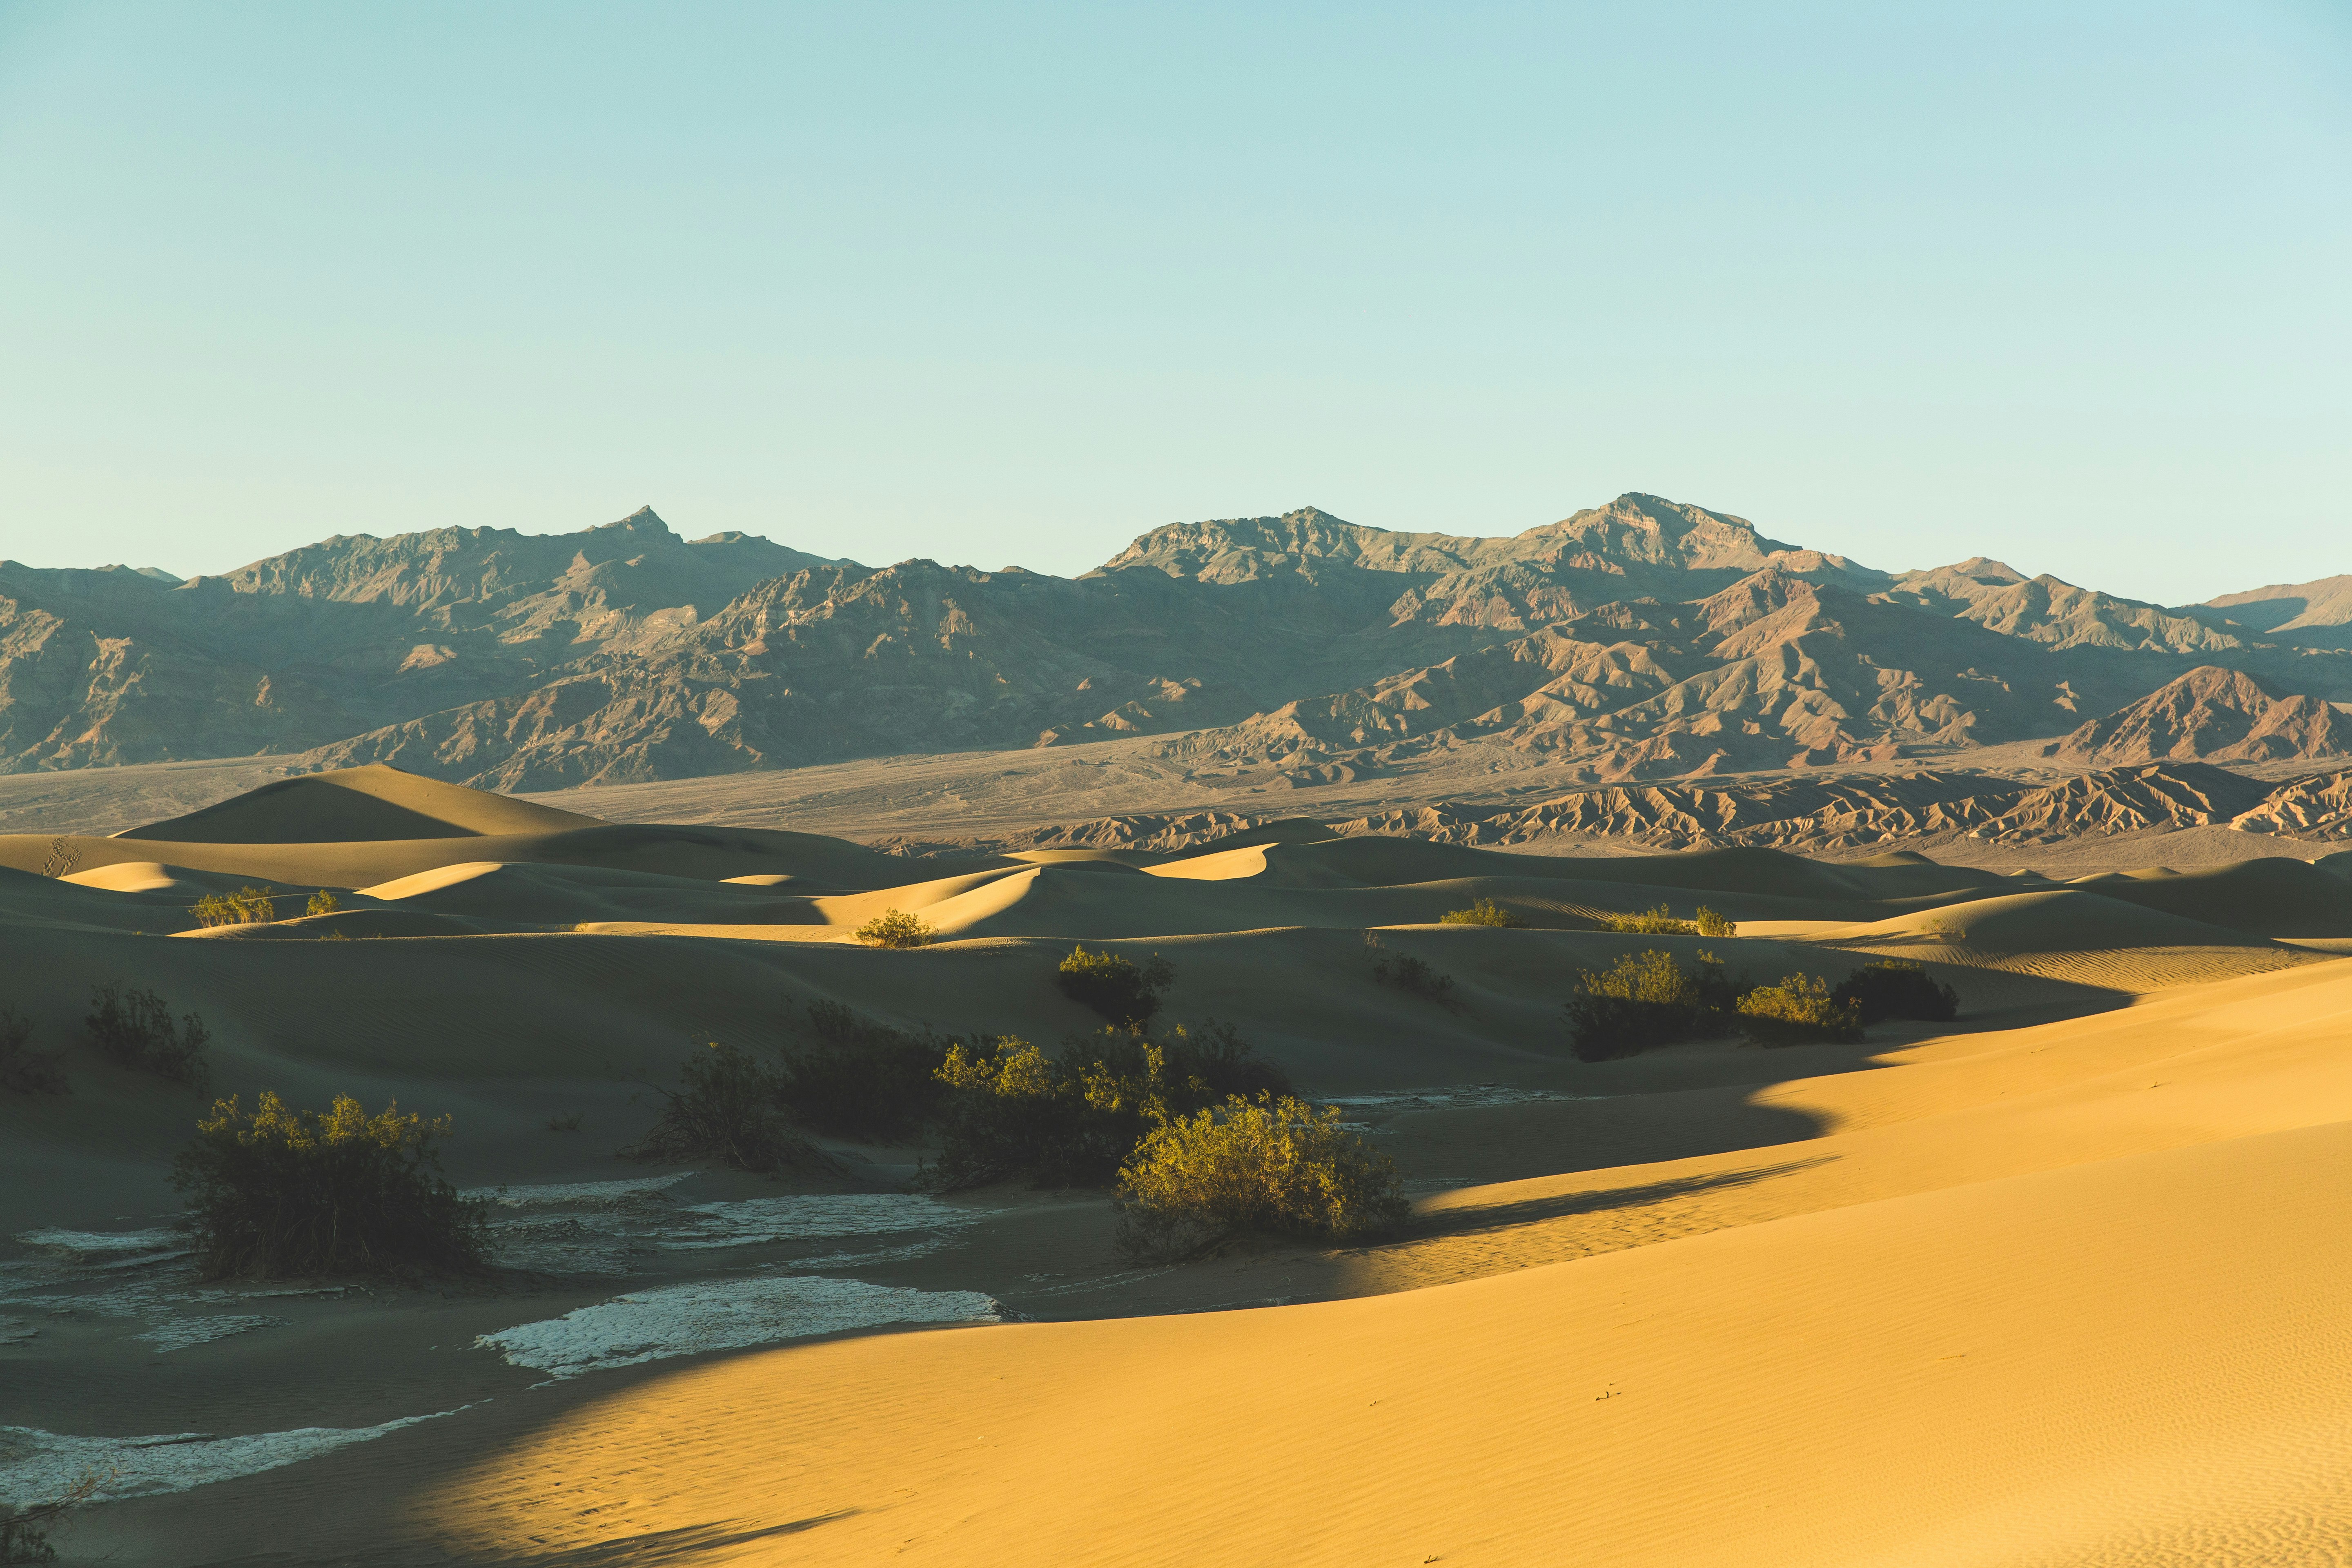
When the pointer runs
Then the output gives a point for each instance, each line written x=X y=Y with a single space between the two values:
x=2062 y=283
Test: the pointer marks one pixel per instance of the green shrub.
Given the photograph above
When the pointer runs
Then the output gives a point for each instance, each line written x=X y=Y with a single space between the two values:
x=1410 y=974
x=727 y=1110
x=1121 y=990
x=1797 y=1011
x=322 y=902
x=1271 y=1164
x=1482 y=912
x=896 y=928
x=1661 y=922
x=1072 y=1118
x=284 y=1191
x=25 y=1527
x=25 y=1537
x=136 y=1029
x=1646 y=999
x=24 y=1070
x=860 y=1079
x=247 y=905
x=1892 y=988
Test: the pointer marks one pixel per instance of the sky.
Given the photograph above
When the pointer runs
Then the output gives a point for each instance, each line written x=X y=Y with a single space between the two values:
x=2063 y=284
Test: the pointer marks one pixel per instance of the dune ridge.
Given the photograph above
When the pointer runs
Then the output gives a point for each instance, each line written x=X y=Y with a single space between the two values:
x=2057 y=1282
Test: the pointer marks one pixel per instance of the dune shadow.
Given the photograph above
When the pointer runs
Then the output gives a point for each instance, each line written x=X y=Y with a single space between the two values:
x=662 y=1545
x=1489 y=1218
x=645 y=1550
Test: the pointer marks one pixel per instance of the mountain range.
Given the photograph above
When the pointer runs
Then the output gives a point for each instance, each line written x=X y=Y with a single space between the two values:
x=1641 y=640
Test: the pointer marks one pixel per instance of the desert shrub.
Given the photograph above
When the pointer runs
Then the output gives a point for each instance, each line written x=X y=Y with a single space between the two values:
x=895 y=928
x=1482 y=912
x=25 y=1527
x=726 y=1111
x=860 y=1079
x=1892 y=988
x=1646 y=999
x=1410 y=974
x=1797 y=1011
x=1661 y=922
x=322 y=902
x=24 y=1070
x=279 y=1191
x=1072 y=1118
x=136 y=1028
x=1267 y=1165
x=1122 y=991
x=25 y=1537
x=246 y=907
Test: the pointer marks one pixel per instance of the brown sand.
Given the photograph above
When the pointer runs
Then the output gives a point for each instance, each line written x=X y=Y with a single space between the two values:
x=2060 y=1284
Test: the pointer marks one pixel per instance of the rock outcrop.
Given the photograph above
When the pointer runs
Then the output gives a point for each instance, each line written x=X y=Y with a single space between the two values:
x=2218 y=715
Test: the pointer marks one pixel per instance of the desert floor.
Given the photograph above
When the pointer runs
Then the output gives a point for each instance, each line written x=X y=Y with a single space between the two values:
x=2061 y=1283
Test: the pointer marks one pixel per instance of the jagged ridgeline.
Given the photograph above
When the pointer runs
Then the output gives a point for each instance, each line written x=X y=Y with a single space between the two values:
x=1644 y=639
x=1829 y=812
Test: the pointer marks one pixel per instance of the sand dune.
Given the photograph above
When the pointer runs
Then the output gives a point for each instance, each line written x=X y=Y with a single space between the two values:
x=2020 y=1370
x=2059 y=1283
x=357 y=803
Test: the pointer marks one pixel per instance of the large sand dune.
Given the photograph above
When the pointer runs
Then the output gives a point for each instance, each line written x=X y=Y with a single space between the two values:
x=2060 y=1283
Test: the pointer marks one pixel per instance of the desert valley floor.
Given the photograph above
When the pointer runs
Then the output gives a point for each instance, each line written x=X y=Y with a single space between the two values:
x=2060 y=1283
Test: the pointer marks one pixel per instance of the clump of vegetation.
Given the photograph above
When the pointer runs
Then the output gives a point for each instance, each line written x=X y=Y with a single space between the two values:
x=1410 y=974
x=1124 y=992
x=322 y=902
x=1798 y=1011
x=279 y=1191
x=246 y=907
x=1268 y=1165
x=1073 y=1118
x=1483 y=912
x=1661 y=922
x=1647 y=999
x=727 y=1110
x=25 y=1528
x=1892 y=988
x=24 y=1070
x=860 y=1079
x=896 y=928
x=136 y=1028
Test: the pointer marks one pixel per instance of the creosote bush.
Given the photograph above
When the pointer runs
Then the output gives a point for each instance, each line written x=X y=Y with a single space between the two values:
x=1892 y=988
x=279 y=1191
x=1122 y=991
x=24 y=1070
x=1482 y=912
x=1798 y=1011
x=246 y=907
x=1073 y=1118
x=1410 y=974
x=1661 y=922
x=896 y=928
x=860 y=1079
x=727 y=1110
x=1270 y=1164
x=135 y=1028
x=1647 y=999
x=322 y=902
x=25 y=1527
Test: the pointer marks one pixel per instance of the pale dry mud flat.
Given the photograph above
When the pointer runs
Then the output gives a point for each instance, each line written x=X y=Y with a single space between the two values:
x=2058 y=1284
